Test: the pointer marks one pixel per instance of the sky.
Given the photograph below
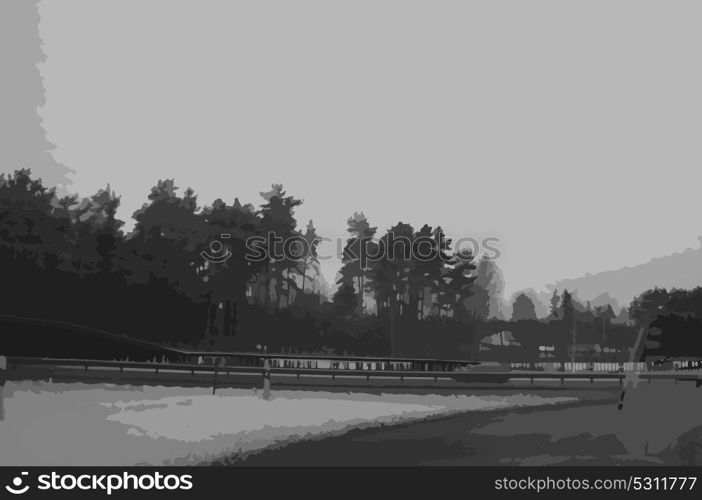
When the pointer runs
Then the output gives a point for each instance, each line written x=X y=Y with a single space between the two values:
x=569 y=130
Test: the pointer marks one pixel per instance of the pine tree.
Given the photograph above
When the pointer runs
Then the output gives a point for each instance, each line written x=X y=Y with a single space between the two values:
x=555 y=305
x=354 y=270
x=523 y=308
x=278 y=220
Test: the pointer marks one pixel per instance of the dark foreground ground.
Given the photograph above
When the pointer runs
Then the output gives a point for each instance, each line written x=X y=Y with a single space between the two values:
x=659 y=424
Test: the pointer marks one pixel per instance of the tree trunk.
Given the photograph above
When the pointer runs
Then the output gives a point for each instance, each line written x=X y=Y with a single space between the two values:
x=287 y=288
x=267 y=291
x=421 y=304
x=304 y=277
x=393 y=313
x=208 y=327
x=226 y=318
x=359 y=298
x=361 y=292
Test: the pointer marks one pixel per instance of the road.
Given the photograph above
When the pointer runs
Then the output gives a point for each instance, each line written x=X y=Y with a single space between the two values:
x=456 y=440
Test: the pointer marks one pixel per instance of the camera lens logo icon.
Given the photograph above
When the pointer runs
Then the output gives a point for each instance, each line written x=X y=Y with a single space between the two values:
x=217 y=253
x=16 y=487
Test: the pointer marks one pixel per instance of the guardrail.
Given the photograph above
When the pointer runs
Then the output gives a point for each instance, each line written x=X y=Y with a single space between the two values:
x=266 y=370
x=15 y=362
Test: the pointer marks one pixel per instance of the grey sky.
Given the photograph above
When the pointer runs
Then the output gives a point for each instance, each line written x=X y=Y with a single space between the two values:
x=571 y=130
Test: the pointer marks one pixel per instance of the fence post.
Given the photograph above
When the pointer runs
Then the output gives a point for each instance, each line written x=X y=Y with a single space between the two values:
x=3 y=369
x=266 y=379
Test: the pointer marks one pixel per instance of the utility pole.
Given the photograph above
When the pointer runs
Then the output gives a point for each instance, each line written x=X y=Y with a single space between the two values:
x=572 y=350
x=3 y=370
x=266 y=379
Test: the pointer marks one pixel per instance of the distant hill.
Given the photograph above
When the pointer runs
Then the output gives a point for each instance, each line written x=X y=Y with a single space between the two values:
x=680 y=270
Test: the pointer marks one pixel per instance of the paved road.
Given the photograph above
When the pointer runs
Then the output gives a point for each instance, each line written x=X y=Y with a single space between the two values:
x=442 y=441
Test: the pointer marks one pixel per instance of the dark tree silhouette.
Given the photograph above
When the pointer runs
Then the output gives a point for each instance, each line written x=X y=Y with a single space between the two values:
x=310 y=259
x=354 y=270
x=567 y=307
x=345 y=300
x=555 y=305
x=406 y=293
x=278 y=219
x=523 y=308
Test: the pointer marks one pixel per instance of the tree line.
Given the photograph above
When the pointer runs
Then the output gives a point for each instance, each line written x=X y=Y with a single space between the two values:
x=69 y=258
x=671 y=321
x=405 y=291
